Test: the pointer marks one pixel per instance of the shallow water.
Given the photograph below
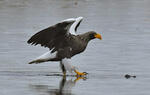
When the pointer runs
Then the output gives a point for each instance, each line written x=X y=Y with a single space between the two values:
x=125 y=48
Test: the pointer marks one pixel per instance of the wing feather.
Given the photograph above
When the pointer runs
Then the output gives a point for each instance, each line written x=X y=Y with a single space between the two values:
x=56 y=36
x=53 y=36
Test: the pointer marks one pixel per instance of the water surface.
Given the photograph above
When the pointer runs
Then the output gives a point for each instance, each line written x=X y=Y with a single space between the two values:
x=125 y=48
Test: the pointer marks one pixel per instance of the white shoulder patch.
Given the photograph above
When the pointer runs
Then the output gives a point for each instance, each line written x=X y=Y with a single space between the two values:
x=70 y=19
x=73 y=26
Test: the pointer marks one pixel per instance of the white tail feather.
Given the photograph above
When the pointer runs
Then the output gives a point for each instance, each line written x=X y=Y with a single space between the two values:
x=45 y=57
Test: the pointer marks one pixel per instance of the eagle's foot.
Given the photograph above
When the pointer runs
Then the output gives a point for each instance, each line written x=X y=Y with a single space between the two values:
x=79 y=74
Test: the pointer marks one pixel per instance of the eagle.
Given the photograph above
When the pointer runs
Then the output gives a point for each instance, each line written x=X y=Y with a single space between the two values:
x=63 y=43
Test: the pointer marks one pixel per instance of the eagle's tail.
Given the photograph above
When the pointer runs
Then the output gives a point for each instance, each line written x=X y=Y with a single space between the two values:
x=44 y=58
x=37 y=61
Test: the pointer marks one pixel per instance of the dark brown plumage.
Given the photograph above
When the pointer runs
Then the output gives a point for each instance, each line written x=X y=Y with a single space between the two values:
x=62 y=40
x=51 y=37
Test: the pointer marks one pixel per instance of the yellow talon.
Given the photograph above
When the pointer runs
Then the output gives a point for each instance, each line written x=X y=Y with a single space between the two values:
x=79 y=73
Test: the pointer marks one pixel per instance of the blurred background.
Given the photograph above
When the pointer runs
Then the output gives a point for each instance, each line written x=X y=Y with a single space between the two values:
x=125 y=48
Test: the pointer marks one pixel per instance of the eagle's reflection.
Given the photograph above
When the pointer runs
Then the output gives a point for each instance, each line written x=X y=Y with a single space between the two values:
x=65 y=87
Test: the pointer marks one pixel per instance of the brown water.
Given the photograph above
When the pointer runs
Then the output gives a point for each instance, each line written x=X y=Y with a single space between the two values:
x=125 y=48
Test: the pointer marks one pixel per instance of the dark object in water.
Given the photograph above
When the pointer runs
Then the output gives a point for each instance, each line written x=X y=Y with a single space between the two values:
x=129 y=76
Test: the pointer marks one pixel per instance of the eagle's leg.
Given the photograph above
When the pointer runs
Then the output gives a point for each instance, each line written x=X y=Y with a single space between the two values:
x=66 y=64
x=62 y=68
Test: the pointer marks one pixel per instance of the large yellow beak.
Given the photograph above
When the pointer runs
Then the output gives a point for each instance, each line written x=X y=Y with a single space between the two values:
x=98 y=36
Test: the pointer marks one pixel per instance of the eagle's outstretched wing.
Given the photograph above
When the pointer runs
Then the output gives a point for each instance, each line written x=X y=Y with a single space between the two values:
x=57 y=35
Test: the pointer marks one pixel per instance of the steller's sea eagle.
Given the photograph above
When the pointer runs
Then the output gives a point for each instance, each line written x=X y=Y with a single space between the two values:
x=63 y=43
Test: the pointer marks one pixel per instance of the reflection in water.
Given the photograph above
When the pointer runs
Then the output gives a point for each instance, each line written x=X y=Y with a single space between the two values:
x=65 y=87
